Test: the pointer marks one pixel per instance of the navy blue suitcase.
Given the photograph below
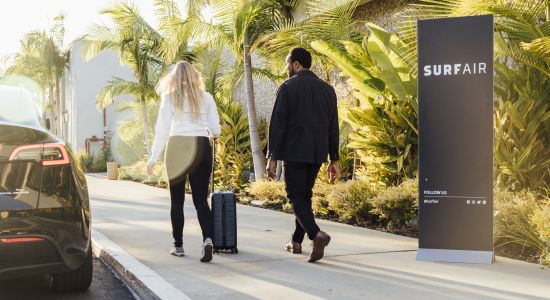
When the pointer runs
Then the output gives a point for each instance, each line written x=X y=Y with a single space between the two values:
x=224 y=211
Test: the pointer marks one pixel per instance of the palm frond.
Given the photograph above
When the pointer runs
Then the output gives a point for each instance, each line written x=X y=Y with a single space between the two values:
x=330 y=21
x=98 y=39
x=516 y=22
x=116 y=87
x=235 y=75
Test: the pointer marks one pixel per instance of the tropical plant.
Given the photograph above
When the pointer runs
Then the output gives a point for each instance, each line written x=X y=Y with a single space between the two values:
x=522 y=128
x=352 y=201
x=84 y=160
x=135 y=173
x=272 y=193
x=522 y=64
x=138 y=44
x=522 y=27
x=42 y=59
x=541 y=222
x=236 y=25
x=208 y=60
x=385 y=124
x=397 y=206
x=233 y=146
x=330 y=21
x=516 y=225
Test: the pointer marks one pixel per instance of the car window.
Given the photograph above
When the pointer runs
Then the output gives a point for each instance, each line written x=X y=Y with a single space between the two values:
x=18 y=107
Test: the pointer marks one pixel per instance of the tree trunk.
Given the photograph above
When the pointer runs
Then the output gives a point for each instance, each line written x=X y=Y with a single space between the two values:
x=58 y=108
x=52 y=109
x=145 y=118
x=255 y=145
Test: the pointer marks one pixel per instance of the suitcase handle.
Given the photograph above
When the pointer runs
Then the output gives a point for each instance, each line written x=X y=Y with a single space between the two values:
x=213 y=163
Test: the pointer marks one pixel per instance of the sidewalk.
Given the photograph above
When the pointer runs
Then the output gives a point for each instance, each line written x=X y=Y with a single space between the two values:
x=359 y=263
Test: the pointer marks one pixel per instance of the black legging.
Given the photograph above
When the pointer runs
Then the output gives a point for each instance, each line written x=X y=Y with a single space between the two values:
x=189 y=156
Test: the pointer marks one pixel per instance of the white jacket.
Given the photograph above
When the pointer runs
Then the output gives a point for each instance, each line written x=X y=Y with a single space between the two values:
x=174 y=122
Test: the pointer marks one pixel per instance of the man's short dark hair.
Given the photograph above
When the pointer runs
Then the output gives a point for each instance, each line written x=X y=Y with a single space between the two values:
x=302 y=56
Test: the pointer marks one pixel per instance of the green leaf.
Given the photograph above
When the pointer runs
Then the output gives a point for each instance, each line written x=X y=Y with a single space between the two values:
x=363 y=79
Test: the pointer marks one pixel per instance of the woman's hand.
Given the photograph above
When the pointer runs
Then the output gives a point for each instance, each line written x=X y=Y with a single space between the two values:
x=149 y=168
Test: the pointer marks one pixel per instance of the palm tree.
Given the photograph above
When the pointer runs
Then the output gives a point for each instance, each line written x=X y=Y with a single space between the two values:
x=521 y=27
x=329 y=21
x=237 y=25
x=42 y=59
x=138 y=44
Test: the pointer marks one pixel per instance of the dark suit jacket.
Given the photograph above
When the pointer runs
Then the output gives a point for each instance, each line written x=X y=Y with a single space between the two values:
x=304 y=122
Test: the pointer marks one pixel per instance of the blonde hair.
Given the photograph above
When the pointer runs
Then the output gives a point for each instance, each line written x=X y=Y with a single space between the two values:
x=184 y=82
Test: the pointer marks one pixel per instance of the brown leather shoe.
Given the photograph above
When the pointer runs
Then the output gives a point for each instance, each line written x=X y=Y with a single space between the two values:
x=295 y=248
x=319 y=243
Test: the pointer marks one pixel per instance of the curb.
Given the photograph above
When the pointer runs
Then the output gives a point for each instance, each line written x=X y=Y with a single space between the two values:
x=143 y=282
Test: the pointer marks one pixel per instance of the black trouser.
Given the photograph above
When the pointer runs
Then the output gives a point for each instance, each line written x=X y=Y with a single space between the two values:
x=299 y=180
x=189 y=156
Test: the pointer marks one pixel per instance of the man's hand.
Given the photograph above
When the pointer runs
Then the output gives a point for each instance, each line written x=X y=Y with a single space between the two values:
x=333 y=171
x=149 y=168
x=271 y=168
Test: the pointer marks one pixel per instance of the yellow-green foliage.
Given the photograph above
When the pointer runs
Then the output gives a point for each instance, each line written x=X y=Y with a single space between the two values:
x=137 y=172
x=319 y=200
x=92 y=164
x=541 y=221
x=272 y=192
x=84 y=159
x=517 y=223
x=351 y=201
x=397 y=206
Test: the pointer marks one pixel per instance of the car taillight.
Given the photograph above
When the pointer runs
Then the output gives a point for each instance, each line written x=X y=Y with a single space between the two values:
x=20 y=240
x=54 y=154
x=27 y=152
x=49 y=154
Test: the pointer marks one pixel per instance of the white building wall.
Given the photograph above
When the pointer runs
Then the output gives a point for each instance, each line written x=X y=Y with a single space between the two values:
x=83 y=82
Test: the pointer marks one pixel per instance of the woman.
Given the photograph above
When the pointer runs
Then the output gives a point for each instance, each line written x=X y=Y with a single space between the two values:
x=187 y=118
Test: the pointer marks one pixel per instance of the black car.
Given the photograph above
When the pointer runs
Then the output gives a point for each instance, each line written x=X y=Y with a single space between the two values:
x=44 y=206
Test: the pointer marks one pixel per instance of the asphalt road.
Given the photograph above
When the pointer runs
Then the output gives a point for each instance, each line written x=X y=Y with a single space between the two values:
x=104 y=286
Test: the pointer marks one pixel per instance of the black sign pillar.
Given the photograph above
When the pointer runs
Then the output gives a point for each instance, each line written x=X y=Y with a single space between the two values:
x=455 y=86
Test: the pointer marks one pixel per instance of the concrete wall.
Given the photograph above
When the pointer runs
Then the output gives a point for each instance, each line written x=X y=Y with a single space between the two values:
x=83 y=81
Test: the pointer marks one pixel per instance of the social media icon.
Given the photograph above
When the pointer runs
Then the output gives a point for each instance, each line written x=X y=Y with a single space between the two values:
x=468 y=201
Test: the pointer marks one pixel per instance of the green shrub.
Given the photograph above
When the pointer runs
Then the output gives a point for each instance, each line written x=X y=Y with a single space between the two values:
x=319 y=200
x=397 y=206
x=233 y=154
x=91 y=164
x=514 y=228
x=271 y=192
x=541 y=221
x=84 y=159
x=351 y=201
x=100 y=161
x=137 y=172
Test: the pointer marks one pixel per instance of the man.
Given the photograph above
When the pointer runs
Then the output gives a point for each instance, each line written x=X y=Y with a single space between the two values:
x=303 y=132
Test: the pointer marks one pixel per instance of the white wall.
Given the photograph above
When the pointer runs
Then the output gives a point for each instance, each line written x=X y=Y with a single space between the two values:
x=83 y=82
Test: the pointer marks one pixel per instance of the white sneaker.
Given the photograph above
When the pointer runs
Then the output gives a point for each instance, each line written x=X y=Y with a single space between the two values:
x=177 y=251
x=207 y=248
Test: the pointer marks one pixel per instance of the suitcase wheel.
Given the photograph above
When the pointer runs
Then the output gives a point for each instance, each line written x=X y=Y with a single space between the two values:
x=216 y=251
x=234 y=251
